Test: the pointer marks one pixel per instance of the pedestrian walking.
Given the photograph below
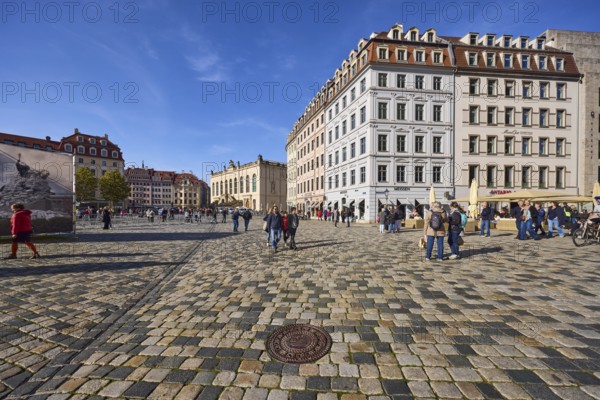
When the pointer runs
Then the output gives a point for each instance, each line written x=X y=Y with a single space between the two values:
x=21 y=231
x=336 y=217
x=556 y=218
x=527 y=223
x=224 y=214
x=247 y=216
x=517 y=214
x=348 y=217
x=236 y=219
x=454 y=229
x=541 y=213
x=267 y=228
x=487 y=216
x=293 y=223
x=275 y=223
x=106 y=218
x=284 y=229
x=434 y=230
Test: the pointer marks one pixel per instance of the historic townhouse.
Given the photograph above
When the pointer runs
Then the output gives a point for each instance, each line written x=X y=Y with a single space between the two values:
x=189 y=191
x=150 y=187
x=516 y=120
x=585 y=47
x=257 y=185
x=389 y=123
x=306 y=174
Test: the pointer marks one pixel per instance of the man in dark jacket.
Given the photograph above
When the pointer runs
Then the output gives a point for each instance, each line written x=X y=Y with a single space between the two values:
x=487 y=216
x=556 y=217
x=293 y=222
x=517 y=213
x=275 y=223
x=247 y=215
x=236 y=219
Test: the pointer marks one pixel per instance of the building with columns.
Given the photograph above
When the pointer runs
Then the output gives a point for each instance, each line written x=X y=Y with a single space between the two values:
x=516 y=121
x=257 y=185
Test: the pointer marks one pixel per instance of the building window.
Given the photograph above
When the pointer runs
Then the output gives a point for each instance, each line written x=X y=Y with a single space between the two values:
x=543 y=90
x=401 y=81
x=401 y=55
x=437 y=174
x=80 y=160
x=382 y=54
x=382 y=80
x=560 y=177
x=235 y=185
x=543 y=177
x=489 y=60
x=363 y=174
x=543 y=118
x=363 y=145
x=560 y=119
x=472 y=59
x=473 y=173
x=381 y=142
x=337 y=108
x=419 y=82
x=337 y=157
x=473 y=114
x=419 y=144
x=437 y=83
x=401 y=143
x=509 y=88
x=560 y=147
x=419 y=177
x=68 y=148
x=437 y=113
x=400 y=173
x=80 y=139
x=352 y=150
x=526 y=146
x=560 y=91
x=491 y=144
x=490 y=40
x=382 y=110
x=492 y=85
x=508 y=176
x=506 y=42
x=343 y=179
x=473 y=86
x=247 y=184
x=542 y=63
x=507 y=61
x=525 y=61
x=526 y=177
x=401 y=111
x=509 y=145
x=560 y=65
x=363 y=85
x=363 y=115
x=437 y=58
x=491 y=176
x=337 y=132
x=352 y=98
x=509 y=113
x=527 y=90
x=473 y=144
x=473 y=39
x=420 y=56
x=344 y=129
x=353 y=177
x=80 y=149
x=526 y=117
x=253 y=183
x=491 y=115
x=419 y=112
x=543 y=146
x=382 y=173
x=437 y=144
x=343 y=154
x=329 y=182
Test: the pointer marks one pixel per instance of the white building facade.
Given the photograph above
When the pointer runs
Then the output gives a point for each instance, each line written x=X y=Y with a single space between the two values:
x=389 y=127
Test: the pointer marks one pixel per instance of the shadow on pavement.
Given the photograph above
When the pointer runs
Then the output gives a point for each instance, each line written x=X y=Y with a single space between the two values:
x=151 y=236
x=467 y=251
x=69 y=269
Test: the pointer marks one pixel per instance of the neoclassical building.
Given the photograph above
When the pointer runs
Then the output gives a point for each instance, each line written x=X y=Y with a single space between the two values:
x=257 y=185
x=517 y=121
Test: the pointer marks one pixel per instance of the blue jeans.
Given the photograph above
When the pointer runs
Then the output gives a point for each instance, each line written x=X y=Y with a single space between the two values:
x=236 y=224
x=527 y=227
x=552 y=222
x=275 y=236
x=453 y=236
x=440 y=246
x=246 y=222
x=391 y=227
x=485 y=226
x=519 y=223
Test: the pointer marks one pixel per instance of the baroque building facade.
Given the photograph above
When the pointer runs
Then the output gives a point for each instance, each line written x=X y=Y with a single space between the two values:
x=257 y=185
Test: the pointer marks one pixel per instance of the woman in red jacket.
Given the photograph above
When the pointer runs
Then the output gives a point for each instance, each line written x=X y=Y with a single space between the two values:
x=21 y=230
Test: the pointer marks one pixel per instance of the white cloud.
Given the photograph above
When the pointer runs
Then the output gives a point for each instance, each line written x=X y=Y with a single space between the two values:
x=204 y=60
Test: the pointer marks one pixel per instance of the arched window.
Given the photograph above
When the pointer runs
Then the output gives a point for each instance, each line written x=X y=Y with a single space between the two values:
x=230 y=186
x=253 y=182
x=247 y=183
x=241 y=185
x=235 y=187
x=221 y=187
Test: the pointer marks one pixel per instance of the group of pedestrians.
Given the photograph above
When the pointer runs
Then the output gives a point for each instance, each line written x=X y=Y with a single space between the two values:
x=434 y=230
x=390 y=218
x=278 y=224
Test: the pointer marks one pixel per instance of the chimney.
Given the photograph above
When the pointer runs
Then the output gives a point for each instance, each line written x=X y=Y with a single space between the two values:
x=106 y=136
x=76 y=131
x=48 y=138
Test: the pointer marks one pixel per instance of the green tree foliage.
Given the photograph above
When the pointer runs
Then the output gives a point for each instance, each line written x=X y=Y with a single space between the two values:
x=114 y=187
x=85 y=184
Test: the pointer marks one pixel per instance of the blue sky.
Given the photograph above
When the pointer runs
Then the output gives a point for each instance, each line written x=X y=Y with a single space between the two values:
x=189 y=85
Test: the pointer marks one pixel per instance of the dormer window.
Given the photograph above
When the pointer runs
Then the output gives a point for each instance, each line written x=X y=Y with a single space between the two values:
x=92 y=151
x=472 y=59
x=80 y=149
x=437 y=58
x=401 y=55
x=382 y=54
x=507 y=61
x=92 y=141
x=507 y=41
x=395 y=34
x=525 y=61
x=413 y=36
x=542 y=63
x=430 y=37
x=560 y=65
x=523 y=43
x=115 y=154
x=68 y=148
x=103 y=142
x=540 y=44
x=489 y=60
x=473 y=39
x=80 y=139
x=420 y=56
x=104 y=153
x=490 y=40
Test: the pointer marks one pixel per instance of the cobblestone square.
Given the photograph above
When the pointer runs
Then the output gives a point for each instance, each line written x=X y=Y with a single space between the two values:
x=183 y=311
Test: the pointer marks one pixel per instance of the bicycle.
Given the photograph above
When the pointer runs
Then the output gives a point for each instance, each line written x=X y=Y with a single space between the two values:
x=587 y=234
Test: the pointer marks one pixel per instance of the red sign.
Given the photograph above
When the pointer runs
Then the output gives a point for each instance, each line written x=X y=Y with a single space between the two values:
x=500 y=191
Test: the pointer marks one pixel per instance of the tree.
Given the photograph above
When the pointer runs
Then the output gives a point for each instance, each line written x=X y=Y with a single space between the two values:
x=85 y=184
x=114 y=187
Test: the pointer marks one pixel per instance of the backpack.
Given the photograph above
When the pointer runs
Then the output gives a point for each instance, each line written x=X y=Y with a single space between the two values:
x=436 y=221
x=463 y=219
x=294 y=222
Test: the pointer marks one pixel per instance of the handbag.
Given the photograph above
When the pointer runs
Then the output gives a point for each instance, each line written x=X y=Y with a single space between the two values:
x=265 y=226
x=460 y=241
x=422 y=243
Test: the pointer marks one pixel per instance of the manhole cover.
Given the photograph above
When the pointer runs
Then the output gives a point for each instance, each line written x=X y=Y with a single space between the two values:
x=298 y=344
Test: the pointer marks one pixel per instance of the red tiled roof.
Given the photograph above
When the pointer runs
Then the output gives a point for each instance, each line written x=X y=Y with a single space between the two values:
x=26 y=141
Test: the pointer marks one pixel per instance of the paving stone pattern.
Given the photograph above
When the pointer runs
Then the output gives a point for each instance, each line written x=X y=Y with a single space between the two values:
x=183 y=311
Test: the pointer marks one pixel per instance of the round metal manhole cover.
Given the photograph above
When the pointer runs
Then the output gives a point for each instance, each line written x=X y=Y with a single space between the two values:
x=299 y=344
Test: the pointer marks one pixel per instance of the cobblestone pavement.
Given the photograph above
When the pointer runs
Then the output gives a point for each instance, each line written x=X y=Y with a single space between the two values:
x=183 y=311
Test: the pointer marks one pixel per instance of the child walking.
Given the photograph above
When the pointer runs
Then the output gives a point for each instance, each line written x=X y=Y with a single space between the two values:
x=21 y=230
